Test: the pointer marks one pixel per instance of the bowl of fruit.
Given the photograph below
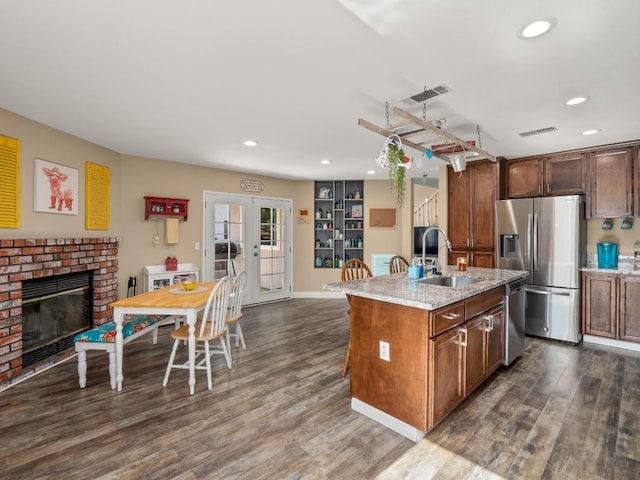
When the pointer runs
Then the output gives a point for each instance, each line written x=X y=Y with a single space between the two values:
x=188 y=285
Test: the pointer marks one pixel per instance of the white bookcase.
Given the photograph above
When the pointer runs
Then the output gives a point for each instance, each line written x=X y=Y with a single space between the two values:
x=157 y=276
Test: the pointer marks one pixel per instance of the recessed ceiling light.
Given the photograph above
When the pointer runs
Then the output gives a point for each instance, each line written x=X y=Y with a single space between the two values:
x=326 y=161
x=537 y=27
x=371 y=172
x=576 y=100
x=250 y=143
x=590 y=132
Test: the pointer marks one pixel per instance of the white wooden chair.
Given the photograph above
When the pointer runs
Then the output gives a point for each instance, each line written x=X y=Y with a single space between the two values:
x=211 y=326
x=234 y=314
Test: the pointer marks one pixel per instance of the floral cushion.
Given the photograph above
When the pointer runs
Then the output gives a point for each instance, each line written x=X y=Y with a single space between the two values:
x=106 y=333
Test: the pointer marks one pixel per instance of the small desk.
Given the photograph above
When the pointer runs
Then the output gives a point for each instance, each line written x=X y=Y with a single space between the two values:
x=161 y=302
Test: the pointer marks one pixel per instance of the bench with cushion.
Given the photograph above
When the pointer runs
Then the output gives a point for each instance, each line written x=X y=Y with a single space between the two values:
x=103 y=337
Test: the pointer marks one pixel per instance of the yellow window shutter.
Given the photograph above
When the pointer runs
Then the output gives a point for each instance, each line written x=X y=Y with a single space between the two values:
x=9 y=182
x=97 y=202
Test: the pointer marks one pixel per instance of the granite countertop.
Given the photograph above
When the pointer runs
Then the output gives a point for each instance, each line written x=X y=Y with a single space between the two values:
x=625 y=266
x=397 y=288
x=622 y=269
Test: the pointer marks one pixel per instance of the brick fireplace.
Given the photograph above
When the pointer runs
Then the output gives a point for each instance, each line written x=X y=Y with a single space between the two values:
x=26 y=259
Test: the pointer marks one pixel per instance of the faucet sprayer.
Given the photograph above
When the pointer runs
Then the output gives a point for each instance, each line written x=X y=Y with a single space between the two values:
x=424 y=243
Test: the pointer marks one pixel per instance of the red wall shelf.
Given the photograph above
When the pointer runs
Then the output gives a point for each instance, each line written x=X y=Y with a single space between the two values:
x=157 y=207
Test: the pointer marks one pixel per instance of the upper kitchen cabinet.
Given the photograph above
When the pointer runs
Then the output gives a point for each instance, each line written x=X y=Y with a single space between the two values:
x=611 y=186
x=524 y=178
x=559 y=174
x=471 y=216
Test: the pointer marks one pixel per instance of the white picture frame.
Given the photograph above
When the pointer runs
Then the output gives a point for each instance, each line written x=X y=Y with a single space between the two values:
x=55 y=188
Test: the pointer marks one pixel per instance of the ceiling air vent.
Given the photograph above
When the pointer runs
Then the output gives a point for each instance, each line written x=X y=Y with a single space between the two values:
x=538 y=131
x=426 y=95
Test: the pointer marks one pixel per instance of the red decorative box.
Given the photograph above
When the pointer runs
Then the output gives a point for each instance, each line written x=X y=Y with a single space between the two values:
x=171 y=263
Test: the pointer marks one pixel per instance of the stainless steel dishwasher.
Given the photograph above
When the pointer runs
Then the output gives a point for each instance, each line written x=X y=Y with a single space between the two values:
x=514 y=322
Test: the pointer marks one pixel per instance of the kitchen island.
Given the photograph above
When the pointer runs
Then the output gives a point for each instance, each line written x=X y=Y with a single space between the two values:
x=417 y=350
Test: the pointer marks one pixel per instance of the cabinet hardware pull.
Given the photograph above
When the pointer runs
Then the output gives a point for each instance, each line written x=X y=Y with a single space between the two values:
x=548 y=188
x=489 y=325
x=463 y=342
x=451 y=316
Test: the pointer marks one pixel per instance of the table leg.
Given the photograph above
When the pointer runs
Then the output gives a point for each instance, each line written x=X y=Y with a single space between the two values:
x=191 y=321
x=118 y=318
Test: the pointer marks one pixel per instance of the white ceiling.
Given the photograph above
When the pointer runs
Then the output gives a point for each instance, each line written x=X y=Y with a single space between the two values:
x=190 y=80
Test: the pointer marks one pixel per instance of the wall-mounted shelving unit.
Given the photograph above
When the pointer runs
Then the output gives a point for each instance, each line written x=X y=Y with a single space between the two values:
x=338 y=222
x=163 y=207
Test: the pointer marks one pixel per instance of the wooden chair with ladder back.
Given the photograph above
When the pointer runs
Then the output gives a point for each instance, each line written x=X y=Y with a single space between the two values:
x=353 y=269
x=398 y=264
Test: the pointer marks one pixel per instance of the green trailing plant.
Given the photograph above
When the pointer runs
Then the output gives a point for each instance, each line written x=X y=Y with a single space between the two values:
x=397 y=173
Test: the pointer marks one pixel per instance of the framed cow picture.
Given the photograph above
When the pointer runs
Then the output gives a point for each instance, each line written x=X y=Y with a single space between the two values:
x=56 y=188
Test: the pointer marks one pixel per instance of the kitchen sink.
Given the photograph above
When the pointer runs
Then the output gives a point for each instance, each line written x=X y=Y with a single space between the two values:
x=449 y=281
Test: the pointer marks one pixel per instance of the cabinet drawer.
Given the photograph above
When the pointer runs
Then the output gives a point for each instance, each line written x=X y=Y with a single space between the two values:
x=483 y=302
x=446 y=318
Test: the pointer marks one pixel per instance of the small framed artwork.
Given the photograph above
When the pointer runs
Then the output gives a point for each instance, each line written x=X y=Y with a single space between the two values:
x=55 y=187
x=356 y=211
x=303 y=215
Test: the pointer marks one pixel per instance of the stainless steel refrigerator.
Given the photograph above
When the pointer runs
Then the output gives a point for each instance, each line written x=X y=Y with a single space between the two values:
x=547 y=237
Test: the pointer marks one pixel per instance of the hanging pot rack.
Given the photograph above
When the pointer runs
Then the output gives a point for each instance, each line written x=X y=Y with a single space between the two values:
x=423 y=128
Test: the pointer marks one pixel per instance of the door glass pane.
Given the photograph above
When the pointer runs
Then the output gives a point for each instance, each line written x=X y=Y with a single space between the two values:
x=271 y=249
x=229 y=239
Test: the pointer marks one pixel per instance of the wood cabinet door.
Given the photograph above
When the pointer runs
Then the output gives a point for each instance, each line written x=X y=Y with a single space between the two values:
x=474 y=353
x=636 y=181
x=565 y=174
x=600 y=310
x=482 y=221
x=483 y=259
x=446 y=369
x=494 y=327
x=611 y=183
x=459 y=208
x=524 y=178
x=629 y=308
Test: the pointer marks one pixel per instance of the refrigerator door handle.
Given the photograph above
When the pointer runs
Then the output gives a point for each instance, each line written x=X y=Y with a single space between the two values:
x=528 y=259
x=545 y=292
x=535 y=241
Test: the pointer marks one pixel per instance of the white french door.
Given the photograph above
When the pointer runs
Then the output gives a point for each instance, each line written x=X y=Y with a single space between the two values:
x=253 y=234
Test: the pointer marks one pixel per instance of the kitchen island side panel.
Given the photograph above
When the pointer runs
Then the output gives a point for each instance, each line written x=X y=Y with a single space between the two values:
x=398 y=386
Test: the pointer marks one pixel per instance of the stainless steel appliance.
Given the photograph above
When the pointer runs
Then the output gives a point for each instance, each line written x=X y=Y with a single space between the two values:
x=545 y=236
x=514 y=322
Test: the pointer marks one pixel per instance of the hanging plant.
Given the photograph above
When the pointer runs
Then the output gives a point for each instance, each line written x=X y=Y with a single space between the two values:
x=397 y=171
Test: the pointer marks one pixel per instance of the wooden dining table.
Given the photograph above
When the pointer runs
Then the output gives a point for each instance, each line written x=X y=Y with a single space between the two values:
x=172 y=300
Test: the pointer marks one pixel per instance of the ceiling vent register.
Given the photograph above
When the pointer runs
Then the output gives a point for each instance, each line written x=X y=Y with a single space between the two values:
x=538 y=131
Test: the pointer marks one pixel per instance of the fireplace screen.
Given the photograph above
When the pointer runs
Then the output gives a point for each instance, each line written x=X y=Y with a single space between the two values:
x=54 y=309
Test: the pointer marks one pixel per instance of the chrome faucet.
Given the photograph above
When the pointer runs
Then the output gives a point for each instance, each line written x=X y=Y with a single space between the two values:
x=424 y=244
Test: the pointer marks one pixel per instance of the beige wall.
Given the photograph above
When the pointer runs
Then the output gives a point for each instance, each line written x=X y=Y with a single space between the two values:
x=134 y=177
x=39 y=141
x=625 y=238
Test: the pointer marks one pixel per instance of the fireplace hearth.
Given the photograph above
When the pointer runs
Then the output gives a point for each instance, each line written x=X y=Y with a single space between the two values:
x=23 y=261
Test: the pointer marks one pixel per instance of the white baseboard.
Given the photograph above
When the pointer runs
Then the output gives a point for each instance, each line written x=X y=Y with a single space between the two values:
x=387 y=420
x=609 y=342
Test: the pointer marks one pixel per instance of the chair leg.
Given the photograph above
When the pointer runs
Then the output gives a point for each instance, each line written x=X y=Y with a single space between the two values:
x=345 y=365
x=226 y=351
x=239 y=336
x=207 y=359
x=170 y=364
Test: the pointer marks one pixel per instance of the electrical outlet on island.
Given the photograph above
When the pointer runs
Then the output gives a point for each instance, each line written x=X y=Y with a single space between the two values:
x=385 y=354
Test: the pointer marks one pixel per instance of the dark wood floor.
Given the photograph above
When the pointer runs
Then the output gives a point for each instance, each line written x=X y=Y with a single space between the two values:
x=560 y=412
x=282 y=412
